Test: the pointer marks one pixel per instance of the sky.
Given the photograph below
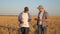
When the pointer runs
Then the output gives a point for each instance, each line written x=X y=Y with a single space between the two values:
x=14 y=7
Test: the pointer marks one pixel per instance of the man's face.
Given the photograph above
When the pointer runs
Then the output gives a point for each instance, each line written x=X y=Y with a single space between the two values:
x=26 y=9
x=41 y=9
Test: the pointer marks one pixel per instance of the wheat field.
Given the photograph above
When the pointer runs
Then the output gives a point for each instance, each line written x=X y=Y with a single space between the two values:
x=9 y=25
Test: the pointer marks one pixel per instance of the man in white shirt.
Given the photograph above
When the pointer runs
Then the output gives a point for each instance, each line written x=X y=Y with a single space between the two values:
x=24 y=20
x=42 y=20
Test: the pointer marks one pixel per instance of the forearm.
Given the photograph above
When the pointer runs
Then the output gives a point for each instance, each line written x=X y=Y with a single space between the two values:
x=20 y=21
x=44 y=20
x=29 y=20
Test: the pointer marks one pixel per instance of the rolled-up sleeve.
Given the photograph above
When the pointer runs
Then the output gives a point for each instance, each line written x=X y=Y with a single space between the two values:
x=20 y=17
x=47 y=15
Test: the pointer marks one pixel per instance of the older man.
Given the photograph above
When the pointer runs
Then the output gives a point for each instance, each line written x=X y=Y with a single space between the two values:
x=42 y=20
